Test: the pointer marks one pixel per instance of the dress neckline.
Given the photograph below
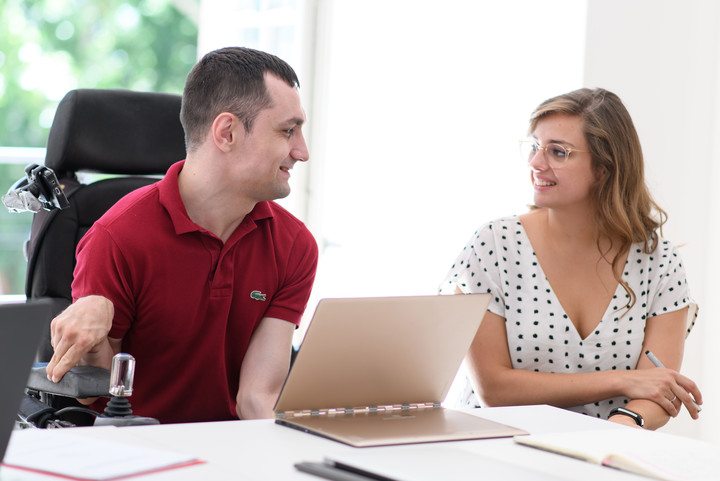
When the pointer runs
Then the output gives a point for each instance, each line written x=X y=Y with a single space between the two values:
x=551 y=291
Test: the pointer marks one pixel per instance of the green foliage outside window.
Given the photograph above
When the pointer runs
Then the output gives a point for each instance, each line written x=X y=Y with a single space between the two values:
x=48 y=47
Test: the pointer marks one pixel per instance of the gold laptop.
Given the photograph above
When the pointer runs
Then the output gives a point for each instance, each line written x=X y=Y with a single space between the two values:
x=374 y=371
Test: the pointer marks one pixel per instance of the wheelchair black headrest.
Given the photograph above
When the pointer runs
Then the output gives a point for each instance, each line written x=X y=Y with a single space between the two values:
x=115 y=131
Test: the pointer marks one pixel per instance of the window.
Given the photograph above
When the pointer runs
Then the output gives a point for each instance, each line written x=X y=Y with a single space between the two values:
x=280 y=27
x=48 y=47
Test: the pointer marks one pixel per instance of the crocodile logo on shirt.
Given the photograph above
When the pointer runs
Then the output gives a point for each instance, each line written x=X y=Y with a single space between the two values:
x=258 y=296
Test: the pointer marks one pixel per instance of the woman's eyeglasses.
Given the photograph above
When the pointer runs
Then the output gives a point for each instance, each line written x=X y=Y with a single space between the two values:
x=556 y=155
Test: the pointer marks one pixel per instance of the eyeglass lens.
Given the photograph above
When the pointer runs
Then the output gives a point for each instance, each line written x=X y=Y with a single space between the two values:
x=556 y=154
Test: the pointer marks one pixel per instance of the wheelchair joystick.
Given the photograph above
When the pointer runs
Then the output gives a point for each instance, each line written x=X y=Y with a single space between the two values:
x=122 y=375
x=118 y=411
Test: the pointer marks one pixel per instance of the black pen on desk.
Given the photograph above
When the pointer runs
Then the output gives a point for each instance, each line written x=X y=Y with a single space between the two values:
x=656 y=362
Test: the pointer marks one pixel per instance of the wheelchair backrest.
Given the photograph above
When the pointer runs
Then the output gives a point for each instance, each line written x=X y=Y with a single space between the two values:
x=133 y=137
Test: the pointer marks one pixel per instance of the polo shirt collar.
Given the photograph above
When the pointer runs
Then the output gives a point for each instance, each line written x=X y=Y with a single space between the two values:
x=169 y=195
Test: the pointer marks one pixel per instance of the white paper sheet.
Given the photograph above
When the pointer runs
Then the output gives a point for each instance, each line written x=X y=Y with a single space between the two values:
x=61 y=452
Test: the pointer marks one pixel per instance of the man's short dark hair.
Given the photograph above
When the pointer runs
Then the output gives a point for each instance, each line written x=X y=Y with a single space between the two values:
x=231 y=80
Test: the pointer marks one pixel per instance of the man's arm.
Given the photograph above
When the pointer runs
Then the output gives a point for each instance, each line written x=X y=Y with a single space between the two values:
x=264 y=368
x=80 y=329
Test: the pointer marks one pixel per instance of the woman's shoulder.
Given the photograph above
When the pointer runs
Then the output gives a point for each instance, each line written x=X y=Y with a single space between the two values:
x=497 y=226
x=664 y=255
x=663 y=246
x=509 y=222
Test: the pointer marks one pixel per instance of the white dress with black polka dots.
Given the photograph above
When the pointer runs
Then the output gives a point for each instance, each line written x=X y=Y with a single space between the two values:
x=499 y=259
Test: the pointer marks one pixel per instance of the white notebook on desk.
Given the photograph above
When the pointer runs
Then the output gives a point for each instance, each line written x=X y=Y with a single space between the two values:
x=374 y=371
x=648 y=453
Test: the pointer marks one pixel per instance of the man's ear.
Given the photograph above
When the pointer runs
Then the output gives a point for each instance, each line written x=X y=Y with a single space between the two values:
x=225 y=131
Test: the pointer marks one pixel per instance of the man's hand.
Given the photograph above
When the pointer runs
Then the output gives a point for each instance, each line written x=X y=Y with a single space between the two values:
x=80 y=329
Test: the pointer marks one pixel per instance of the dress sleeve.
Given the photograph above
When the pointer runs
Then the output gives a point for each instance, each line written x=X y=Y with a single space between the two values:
x=669 y=288
x=476 y=270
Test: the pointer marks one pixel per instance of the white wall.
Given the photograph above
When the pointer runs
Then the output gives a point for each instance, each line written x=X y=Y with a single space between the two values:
x=662 y=57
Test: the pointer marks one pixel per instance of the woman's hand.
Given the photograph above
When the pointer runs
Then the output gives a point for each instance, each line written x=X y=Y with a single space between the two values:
x=666 y=387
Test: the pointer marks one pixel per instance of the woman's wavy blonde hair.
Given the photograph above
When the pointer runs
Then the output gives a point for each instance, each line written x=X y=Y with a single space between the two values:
x=625 y=211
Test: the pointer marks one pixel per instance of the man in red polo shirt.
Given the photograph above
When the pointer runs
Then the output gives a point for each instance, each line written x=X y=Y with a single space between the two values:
x=201 y=276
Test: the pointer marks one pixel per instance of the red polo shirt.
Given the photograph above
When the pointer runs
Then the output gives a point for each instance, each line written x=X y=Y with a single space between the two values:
x=186 y=304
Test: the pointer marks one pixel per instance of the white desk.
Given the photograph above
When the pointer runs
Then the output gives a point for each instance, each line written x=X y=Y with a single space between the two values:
x=263 y=450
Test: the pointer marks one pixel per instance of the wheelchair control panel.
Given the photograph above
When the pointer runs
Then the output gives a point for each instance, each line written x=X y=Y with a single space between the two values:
x=78 y=383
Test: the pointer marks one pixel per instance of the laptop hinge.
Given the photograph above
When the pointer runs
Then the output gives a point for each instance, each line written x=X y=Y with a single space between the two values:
x=357 y=410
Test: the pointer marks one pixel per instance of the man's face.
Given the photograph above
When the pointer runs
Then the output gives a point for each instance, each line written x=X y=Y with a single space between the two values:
x=274 y=144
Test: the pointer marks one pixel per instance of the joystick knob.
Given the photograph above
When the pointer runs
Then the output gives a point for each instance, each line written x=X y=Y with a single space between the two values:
x=122 y=374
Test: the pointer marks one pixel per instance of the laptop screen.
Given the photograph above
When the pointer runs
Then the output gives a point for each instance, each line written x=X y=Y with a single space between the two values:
x=382 y=351
x=21 y=329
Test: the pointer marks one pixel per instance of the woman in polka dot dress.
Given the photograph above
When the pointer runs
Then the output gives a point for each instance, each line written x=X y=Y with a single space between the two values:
x=583 y=284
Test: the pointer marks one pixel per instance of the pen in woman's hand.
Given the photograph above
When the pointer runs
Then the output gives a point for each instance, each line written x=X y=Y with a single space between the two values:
x=656 y=362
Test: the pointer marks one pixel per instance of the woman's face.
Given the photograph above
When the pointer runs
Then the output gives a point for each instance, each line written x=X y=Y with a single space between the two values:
x=569 y=184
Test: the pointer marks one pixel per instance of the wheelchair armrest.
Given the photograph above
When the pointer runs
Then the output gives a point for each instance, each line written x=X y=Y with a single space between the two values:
x=79 y=382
